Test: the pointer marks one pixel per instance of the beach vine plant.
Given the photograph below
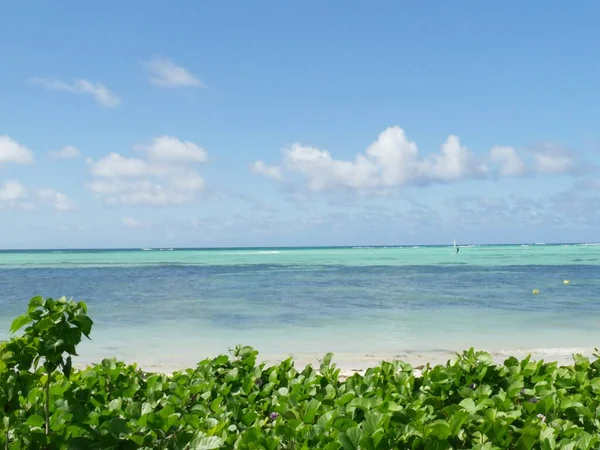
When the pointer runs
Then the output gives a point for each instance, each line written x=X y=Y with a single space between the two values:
x=234 y=402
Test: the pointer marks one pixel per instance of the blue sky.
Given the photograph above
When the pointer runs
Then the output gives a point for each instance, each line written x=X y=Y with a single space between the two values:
x=298 y=123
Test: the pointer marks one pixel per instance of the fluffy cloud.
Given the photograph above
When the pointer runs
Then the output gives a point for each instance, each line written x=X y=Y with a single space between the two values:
x=101 y=93
x=273 y=172
x=165 y=73
x=552 y=159
x=509 y=161
x=67 y=152
x=60 y=202
x=115 y=166
x=163 y=176
x=13 y=152
x=393 y=160
x=170 y=149
x=130 y=222
x=11 y=192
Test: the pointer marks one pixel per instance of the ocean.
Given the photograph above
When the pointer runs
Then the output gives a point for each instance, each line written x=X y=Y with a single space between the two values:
x=170 y=308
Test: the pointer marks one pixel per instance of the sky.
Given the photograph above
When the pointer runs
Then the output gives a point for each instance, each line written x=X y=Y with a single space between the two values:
x=211 y=124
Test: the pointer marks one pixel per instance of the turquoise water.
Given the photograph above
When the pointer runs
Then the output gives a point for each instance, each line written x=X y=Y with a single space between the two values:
x=171 y=308
x=499 y=255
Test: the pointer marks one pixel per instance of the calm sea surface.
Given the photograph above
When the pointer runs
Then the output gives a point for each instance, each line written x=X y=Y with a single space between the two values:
x=171 y=308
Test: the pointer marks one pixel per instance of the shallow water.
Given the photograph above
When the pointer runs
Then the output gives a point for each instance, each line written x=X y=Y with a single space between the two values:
x=173 y=308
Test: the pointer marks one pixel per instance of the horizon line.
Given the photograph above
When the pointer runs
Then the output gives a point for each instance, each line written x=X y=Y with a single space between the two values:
x=289 y=247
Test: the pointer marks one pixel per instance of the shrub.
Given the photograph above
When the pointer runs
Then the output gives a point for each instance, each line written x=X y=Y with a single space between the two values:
x=234 y=402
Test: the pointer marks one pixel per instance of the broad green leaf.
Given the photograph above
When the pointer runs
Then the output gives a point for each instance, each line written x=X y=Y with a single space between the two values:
x=547 y=439
x=35 y=302
x=350 y=439
x=19 y=323
x=119 y=426
x=146 y=408
x=372 y=421
x=206 y=443
x=249 y=418
x=515 y=388
x=360 y=403
x=284 y=392
x=214 y=405
x=457 y=420
x=343 y=423
x=35 y=421
x=469 y=405
x=311 y=410
x=345 y=398
x=326 y=420
x=440 y=429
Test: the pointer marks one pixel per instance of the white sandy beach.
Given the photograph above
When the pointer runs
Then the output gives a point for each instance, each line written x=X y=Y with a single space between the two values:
x=352 y=363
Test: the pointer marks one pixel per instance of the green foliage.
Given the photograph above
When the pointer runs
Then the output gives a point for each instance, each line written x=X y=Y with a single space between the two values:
x=232 y=402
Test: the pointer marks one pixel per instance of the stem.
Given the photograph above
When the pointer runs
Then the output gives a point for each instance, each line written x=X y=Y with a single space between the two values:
x=47 y=405
x=6 y=443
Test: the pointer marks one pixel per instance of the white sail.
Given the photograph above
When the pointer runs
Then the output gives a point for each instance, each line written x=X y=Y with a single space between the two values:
x=454 y=243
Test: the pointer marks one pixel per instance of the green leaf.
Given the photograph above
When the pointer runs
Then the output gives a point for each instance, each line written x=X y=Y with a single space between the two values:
x=457 y=420
x=372 y=421
x=84 y=324
x=343 y=423
x=440 y=429
x=350 y=439
x=146 y=408
x=67 y=367
x=469 y=405
x=311 y=410
x=515 y=388
x=220 y=360
x=206 y=443
x=326 y=420
x=35 y=421
x=361 y=403
x=19 y=323
x=119 y=426
x=345 y=398
x=35 y=302
x=249 y=418
x=214 y=405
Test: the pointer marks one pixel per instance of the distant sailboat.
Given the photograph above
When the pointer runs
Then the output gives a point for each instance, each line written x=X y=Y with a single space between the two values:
x=456 y=249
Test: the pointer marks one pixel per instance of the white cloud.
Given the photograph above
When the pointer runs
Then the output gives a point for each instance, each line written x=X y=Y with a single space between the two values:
x=393 y=161
x=553 y=159
x=67 y=152
x=163 y=177
x=60 y=202
x=190 y=182
x=171 y=149
x=101 y=93
x=116 y=165
x=396 y=155
x=273 y=172
x=509 y=161
x=553 y=164
x=165 y=73
x=13 y=152
x=11 y=192
x=323 y=172
x=146 y=192
x=453 y=163
x=130 y=222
